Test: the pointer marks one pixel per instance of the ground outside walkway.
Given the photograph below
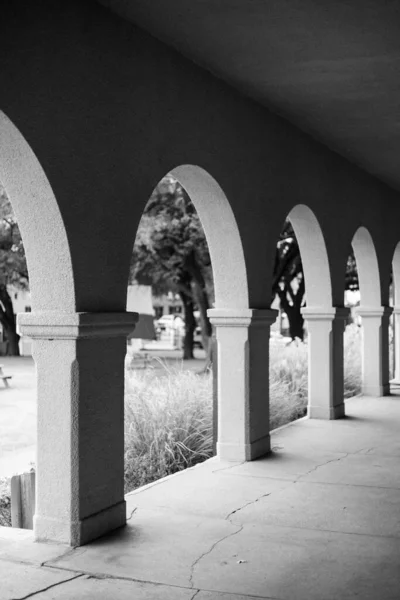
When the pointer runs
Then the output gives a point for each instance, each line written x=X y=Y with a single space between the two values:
x=319 y=520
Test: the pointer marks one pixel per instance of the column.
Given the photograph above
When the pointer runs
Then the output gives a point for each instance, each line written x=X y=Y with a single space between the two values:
x=243 y=382
x=80 y=443
x=396 y=344
x=375 y=350
x=325 y=361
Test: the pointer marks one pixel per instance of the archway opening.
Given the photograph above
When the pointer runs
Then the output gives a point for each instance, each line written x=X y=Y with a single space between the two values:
x=374 y=325
x=352 y=334
x=301 y=282
x=394 y=334
x=187 y=258
x=288 y=370
x=17 y=370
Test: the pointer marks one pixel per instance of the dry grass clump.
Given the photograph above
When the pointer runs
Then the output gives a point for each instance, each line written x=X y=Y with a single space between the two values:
x=168 y=423
x=288 y=383
x=5 y=503
x=352 y=360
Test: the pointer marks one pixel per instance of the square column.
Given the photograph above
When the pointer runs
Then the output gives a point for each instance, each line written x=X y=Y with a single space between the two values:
x=396 y=342
x=80 y=435
x=243 y=382
x=375 y=350
x=325 y=361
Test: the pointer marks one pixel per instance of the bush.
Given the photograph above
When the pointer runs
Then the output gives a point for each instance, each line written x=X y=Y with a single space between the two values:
x=288 y=382
x=168 y=423
x=5 y=503
x=352 y=361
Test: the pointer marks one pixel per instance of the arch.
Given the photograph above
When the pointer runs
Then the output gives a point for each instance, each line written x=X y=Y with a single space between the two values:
x=40 y=222
x=367 y=267
x=314 y=256
x=222 y=234
x=396 y=275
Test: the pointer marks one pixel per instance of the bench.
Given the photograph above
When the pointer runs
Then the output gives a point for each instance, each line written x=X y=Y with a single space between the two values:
x=4 y=377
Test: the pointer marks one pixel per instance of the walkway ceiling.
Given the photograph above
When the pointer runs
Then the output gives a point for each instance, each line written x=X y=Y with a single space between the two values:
x=331 y=68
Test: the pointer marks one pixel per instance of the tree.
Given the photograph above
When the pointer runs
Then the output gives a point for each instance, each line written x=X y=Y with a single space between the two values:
x=171 y=253
x=13 y=270
x=288 y=280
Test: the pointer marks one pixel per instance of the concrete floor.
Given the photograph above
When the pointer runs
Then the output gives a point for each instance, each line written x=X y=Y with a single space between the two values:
x=318 y=520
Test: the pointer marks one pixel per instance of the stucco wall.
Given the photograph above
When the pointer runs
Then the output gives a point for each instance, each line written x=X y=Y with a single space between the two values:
x=108 y=111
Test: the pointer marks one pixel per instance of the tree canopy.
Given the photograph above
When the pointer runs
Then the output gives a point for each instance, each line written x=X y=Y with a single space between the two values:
x=13 y=269
x=171 y=253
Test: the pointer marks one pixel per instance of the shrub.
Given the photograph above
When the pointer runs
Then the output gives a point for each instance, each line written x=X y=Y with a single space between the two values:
x=5 y=503
x=352 y=361
x=168 y=423
x=288 y=383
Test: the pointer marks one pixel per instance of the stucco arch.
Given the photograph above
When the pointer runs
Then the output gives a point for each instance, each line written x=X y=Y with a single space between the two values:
x=314 y=256
x=367 y=267
x=40 y=222
x=396 y=275
x=222 y=234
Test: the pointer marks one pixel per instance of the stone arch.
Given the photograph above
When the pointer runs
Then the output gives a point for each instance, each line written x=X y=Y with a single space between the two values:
x=41 y=225
x=314 y=256
x=367 y=267
x=219 y=224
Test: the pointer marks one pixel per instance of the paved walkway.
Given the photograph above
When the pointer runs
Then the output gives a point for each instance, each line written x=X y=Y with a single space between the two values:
x=318 y=520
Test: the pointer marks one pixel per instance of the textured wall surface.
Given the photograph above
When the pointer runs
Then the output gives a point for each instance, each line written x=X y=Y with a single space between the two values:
x=108 y=110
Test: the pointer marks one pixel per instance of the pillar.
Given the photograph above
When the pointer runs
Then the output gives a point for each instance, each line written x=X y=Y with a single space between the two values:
x=80 y=436
x=375 y=350
x=325 y=361
x=396 y=344
x=243 y=382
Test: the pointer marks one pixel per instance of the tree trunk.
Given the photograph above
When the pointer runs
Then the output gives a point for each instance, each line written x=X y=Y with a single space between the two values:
x=295 y=318
x=190 y=326
x=8 y=322
x=296 y=322
x=13 y=343
x=200 y=294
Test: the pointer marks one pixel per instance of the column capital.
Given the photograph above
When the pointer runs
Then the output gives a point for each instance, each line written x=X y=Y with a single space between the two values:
x=374 y=311
x=52 y=325
x=311 y=313
x=242 y=317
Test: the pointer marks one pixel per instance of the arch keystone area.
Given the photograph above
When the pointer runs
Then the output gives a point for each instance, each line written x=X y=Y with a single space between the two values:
x=222 y=234
x=40 y=222
x=314 y=257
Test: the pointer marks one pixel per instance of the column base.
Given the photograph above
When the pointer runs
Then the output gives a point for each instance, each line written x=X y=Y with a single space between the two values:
x=244 y=452
x=327 y=413
x=78 y=533
x=378 y=391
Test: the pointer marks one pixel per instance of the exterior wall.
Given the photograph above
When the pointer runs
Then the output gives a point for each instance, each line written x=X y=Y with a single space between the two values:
x=127 y=110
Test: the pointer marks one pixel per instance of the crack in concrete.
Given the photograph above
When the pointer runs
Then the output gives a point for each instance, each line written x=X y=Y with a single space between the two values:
x=227 y=518
x=228 y=468
x=322 y=465
x=49 y=587
x=73 y=551
x=132 y=513
x=214 y=545
x=194 y=595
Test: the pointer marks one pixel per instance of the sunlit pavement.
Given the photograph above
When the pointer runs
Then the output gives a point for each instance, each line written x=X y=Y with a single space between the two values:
x=17 y=416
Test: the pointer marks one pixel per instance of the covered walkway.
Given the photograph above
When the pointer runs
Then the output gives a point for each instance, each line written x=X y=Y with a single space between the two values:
x=319 y=519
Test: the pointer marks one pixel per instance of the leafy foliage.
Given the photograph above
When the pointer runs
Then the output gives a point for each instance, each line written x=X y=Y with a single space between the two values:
x=171 y=253
x=13 y=268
